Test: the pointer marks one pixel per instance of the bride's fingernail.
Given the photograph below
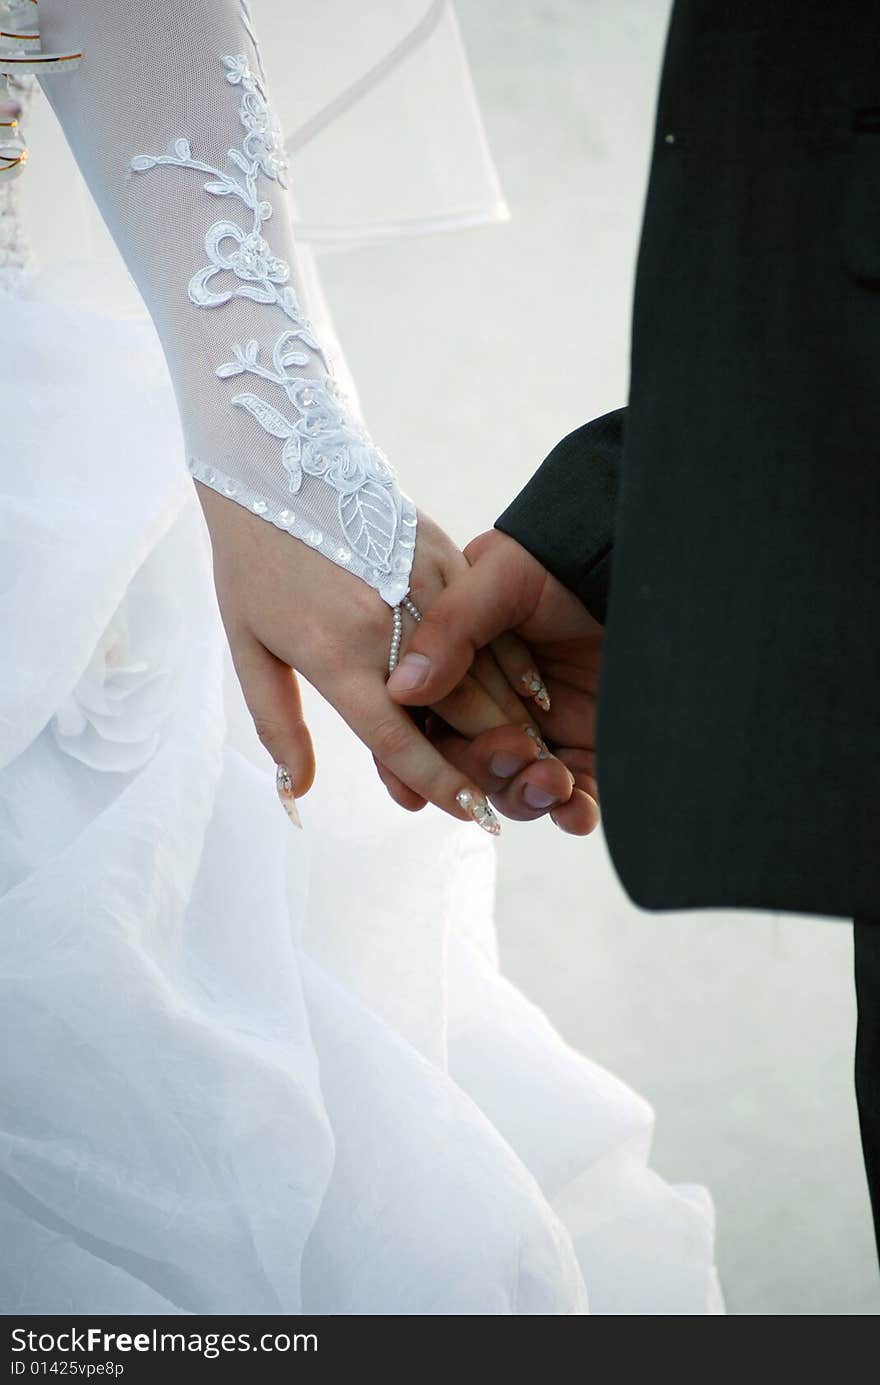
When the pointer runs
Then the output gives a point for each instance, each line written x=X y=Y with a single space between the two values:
x=536 y=688
x=543 y=752
x=480 y=810
x=410 y=674
x=286 y=795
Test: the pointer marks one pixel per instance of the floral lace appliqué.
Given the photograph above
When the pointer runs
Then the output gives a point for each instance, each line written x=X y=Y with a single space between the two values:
x=229 y=246
x=322 y=439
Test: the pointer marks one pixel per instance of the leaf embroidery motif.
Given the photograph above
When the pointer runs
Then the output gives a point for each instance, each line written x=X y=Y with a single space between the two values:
x=369 y=521
x=291 y=458
x=267 y=417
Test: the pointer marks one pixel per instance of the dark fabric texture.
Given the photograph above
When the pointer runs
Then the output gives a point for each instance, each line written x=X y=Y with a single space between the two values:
x=746 y=572
x=867 y=969
x=568 y=510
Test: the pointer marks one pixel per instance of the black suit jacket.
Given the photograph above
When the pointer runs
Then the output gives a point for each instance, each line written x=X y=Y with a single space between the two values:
x=739 y=722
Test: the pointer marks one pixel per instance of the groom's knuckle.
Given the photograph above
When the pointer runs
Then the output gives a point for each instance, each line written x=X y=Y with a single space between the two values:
x=477 y=546
x=443 y=635
x=439 y=621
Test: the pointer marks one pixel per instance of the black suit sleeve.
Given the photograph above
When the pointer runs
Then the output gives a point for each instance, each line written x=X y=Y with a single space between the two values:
x=565 y=515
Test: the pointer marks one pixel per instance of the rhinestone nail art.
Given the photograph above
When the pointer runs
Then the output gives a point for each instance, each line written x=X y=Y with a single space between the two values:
x=536 y=688
x=286 y=795
x=480 y=810
x=544 y=752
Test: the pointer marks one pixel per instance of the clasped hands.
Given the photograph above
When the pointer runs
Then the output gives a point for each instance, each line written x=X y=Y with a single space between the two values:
x=458 y=721
x=505 y=602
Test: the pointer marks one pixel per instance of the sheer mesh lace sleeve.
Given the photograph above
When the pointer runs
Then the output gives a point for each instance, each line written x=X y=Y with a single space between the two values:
x=170 y=122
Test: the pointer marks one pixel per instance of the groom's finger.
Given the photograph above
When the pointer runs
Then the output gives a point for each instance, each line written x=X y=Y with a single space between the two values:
x=582 y=764
x=505 y=764
x=469 y=614
x=579 y=816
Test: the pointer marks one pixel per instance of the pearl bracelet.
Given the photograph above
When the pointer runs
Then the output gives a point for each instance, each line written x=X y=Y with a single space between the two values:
x=397 y=631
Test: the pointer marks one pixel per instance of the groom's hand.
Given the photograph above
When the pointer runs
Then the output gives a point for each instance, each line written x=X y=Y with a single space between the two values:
x=506 y=590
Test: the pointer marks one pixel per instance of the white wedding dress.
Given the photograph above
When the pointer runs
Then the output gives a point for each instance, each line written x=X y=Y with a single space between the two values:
x=246 y=1069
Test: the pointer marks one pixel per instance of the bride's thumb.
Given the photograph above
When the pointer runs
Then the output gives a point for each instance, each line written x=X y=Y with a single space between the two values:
x=272 y=694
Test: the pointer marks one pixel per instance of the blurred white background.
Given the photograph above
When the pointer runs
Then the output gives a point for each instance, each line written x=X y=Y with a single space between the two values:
x=474 y=352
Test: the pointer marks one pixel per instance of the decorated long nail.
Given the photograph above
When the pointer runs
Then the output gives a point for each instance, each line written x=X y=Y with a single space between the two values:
x=286 y=795
x=536 y=688
x=480 y=810
x=543 y=750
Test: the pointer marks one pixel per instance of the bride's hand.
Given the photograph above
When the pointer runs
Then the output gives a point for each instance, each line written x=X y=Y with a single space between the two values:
x=286 y=607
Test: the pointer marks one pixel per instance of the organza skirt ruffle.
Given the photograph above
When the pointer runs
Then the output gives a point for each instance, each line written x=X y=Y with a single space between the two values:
x=246 y=1069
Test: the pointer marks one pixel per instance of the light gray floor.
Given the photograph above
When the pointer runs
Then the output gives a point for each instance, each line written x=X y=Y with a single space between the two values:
x=475 y=352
